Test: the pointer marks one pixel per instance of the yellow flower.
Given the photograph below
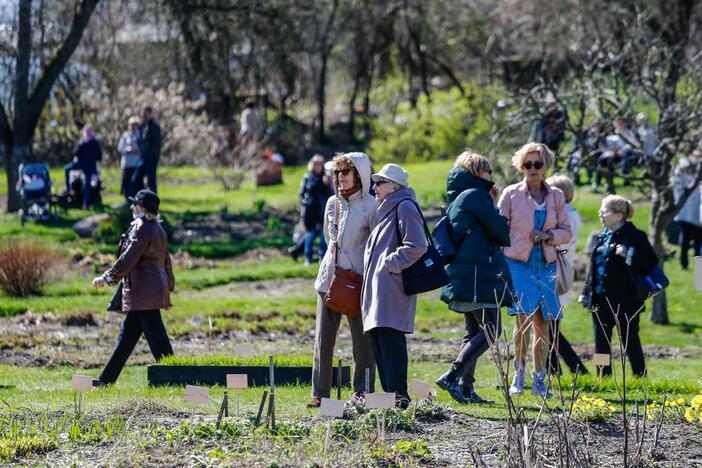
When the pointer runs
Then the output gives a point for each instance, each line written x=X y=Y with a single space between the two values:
x=681 y=401
x=690 y=414
x=611 y=408
x=588 y=407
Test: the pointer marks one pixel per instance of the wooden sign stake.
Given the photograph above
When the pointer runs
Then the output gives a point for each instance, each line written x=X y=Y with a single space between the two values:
x=338 y=381
x=260 y=408
x=271 y=400
x=367 y=381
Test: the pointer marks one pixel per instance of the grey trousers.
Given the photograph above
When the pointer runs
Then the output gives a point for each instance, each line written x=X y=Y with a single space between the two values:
x=325 y=332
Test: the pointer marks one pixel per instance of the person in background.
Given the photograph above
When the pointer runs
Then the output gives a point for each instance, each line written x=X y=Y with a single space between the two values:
x=480 y=279
x=550 y=129
x=85 y=158
x=150 y=151
x=349 y=218
x=610 y=291
x=624 y=141
x=128 y=147
x=538 y=222
x=581 y=157
x=562 y=347
x=251 y=124
x=314 y=192
x=689 y=215
x=146 y=275
x=388 y=313
x=646 y=134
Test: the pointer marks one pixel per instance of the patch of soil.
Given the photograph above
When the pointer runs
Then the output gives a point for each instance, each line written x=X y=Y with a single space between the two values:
x=79 y=319
x=216 y=227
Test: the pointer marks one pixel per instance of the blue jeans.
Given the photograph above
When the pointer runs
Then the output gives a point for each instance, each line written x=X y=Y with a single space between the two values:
x=309 y=243
x=147 y=168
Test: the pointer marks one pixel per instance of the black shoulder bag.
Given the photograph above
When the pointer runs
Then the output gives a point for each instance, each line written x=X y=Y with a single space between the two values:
x=427 y=273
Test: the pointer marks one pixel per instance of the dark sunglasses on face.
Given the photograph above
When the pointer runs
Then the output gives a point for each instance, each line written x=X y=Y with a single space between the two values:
x=378 y=183
x=343 y=171
x=535 y=164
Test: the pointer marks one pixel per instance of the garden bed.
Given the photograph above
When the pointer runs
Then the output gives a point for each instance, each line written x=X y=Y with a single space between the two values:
x=212 y=370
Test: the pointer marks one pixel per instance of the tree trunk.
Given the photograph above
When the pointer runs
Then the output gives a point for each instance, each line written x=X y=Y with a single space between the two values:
x=321 y=95
x=352 y=107
x=662 y=212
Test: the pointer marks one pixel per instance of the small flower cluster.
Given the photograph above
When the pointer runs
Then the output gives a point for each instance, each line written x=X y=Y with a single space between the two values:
x=693 y=413
x=591 y=409
x=674 y=410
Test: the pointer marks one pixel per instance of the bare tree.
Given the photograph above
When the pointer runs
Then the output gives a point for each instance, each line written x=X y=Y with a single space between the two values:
x=16 y=143
x=617 y=54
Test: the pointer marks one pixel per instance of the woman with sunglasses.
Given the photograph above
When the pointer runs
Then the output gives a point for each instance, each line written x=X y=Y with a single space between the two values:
x=396 y=243
x=480 y=279
x=349 y=218
x=538 y=222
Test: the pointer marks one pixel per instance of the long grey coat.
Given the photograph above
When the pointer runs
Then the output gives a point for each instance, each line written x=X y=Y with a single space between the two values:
x=383 y=301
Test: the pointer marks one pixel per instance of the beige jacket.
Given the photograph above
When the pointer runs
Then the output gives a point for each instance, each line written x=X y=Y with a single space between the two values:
x=356 y=221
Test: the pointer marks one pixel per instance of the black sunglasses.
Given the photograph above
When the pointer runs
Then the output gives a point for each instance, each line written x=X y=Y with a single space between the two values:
x=343 y=171
x=535 y=164
x=378 y=183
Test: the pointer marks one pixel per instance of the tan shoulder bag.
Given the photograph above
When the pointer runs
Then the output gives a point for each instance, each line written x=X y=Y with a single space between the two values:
x=344 y=293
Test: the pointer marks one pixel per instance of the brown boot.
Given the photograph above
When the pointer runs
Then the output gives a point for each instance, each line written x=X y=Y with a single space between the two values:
x=314 y=403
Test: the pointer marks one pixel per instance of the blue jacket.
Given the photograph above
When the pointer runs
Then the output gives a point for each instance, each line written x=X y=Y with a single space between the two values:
x=88 y=153
x=479 y=272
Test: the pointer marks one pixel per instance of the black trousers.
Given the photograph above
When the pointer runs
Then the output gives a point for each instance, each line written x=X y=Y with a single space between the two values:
x=127 y=174
x=482 y=328
x=146 y=169
x=561 y=348
x=604 y=323
x=390 y=353
x=689 y=234
x=150 y=323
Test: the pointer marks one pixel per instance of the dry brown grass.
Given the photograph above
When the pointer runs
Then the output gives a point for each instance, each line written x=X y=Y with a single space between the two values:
x=25 y=267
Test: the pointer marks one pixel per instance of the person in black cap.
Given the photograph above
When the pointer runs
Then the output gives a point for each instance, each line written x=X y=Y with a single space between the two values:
x=145 y=276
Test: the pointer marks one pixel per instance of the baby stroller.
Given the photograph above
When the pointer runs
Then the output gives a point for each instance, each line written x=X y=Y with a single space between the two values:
x=34 y=187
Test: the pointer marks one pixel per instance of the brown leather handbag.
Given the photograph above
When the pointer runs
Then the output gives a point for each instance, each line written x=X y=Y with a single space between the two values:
x=344 y=293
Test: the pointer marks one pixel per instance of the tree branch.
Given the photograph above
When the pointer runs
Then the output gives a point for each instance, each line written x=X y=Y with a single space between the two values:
x=56 y=65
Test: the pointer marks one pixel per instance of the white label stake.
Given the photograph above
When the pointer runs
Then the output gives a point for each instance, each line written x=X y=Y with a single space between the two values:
x=332 y=408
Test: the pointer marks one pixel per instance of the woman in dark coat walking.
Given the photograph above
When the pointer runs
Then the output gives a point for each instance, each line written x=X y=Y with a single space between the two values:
x=146 y=275
x=315 y=189
x=610 y=292
x=480 y=278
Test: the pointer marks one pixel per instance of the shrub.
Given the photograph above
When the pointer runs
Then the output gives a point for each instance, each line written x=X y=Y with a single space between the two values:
x=438 y=129
x=117 y=222
x=25 y=267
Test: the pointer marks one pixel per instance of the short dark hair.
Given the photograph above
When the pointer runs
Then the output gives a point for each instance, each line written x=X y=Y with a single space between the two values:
x=148 y=109
x=249 y=103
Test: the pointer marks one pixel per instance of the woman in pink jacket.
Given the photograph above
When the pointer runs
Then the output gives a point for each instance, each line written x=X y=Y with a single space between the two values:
x=538 y=221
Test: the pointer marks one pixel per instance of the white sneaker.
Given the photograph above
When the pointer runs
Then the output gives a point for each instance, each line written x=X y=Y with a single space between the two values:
x=517 y=387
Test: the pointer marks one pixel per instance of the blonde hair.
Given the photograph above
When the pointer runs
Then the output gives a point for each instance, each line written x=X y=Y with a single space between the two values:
x=317 y=158
x=564 y=183
x=472 y=162
x=619 y=204
x=134 y=120
x=545 y=155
